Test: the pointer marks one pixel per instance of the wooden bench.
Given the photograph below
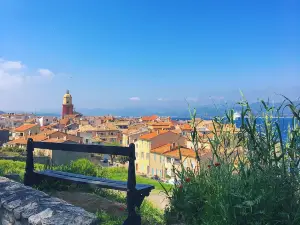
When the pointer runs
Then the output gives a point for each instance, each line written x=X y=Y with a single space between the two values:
x=135 y=192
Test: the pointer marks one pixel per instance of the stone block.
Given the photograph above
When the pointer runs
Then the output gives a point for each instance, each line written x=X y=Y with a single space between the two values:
x=22 y=205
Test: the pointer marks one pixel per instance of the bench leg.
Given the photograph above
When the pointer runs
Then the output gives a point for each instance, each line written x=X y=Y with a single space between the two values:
x=134 y=199
x=31 y=179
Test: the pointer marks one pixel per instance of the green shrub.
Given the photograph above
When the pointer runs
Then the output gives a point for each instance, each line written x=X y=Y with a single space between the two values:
x=80 y=166
x=106 y=219
x=253 y=177
x=13 y=149
x=151 y=215
x=10 y=167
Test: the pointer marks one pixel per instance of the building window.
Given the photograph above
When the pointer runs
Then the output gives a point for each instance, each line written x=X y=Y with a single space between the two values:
x=136 y=145
x=86 y=141
x=142 y=155
x=111 y=133
x=185 y=163
x=21 y=134
x=136 y=154
x=152 y=172
x=154 y=157
x=177 y=160
x=192 y=165
x=156 y=172
x=168 y=160
x=161 y=159
x=147 y=155
x=160 y=173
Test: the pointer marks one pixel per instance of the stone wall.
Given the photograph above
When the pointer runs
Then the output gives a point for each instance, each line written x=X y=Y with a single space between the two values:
x=22 y=205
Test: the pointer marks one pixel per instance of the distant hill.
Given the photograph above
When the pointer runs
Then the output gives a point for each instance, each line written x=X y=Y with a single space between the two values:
x=1 y=112
x=202 y=111
x=181 y=111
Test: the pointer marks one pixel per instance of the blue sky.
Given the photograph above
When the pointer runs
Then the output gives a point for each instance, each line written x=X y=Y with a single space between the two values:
x=114 y=54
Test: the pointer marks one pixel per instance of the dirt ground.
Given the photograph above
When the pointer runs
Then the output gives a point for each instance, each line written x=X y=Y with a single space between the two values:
x=91 y=202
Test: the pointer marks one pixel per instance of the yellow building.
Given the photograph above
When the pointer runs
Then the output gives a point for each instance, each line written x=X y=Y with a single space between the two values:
x=164 y=158
x=189 y=160
x=131 y=136
x=157 y=160
x=150 y=141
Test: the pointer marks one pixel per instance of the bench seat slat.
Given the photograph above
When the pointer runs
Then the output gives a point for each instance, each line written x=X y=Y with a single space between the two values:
x=98 y=181
x=82 y=181
x=138 y=186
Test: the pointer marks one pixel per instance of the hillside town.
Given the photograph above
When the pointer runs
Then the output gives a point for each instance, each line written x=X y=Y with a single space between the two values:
x=157 y=140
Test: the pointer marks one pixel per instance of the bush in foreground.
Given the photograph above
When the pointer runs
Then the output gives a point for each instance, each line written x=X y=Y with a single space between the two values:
x=252 y=178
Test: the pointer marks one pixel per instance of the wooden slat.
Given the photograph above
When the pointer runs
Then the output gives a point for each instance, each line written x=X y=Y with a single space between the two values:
x=113 y=150
x=138 y=186
x=99 y=182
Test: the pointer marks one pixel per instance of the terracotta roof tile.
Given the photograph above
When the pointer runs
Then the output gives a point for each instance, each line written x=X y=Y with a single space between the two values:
x=186 y=126
x=64 y=121
x=20 y=141
x=185 y=152
x=149 y=118
x=162 y=149
x=152 y=135
x=25 y=127
x=38 y=137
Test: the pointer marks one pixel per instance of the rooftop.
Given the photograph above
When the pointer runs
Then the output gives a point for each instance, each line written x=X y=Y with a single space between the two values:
x=153 y=135
x=25 y=127
x=149 y=118
x=163 y=149
x=186 y=152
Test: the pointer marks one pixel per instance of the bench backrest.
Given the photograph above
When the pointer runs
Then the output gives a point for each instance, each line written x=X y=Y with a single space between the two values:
x=113 y=150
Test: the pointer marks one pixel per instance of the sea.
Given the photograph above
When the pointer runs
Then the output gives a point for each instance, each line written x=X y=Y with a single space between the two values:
x=284 y=123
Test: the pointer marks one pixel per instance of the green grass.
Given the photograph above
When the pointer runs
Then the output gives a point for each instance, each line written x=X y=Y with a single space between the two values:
x=6 y=153
x=106 y=219
x=85 y=167
x=119 y=173
x=16 y=167
x=150 y=215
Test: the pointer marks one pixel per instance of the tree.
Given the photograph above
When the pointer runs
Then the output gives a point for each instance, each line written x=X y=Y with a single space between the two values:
x=112 y=157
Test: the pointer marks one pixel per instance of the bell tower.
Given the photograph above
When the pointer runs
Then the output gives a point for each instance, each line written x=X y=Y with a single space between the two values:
x=67 y=106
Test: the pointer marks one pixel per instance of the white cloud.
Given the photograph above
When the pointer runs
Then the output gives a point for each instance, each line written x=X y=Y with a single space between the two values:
x=13 y=75
x=134 y=99
x=45 y=73
x=8 y=81
x=11 y=65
